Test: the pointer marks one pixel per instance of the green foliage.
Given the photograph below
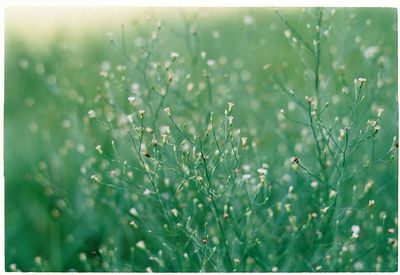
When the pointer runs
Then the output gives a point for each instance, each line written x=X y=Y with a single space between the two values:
x=260 y=140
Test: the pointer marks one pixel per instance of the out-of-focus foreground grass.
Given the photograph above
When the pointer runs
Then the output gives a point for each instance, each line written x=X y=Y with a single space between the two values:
x=296 y=189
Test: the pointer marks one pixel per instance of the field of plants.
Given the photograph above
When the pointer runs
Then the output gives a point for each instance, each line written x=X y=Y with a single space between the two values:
x=188 y=140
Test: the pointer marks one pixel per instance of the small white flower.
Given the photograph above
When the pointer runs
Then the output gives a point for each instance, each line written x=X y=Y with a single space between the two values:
x=133 y=224
x=230 y=120
x=168 y=111
x=95 y=178
x=246 y=177
x=380 y=111
x=371 y=203
x=146 y=192
x=342 y=134
x=165 y=130
x=368 y=186
x=262 y=171
x=324 y=210
x=356 y=230
x=230 y=105
x=98 y=148
x=244 y=141
x=190 y=87
x=371 y=51
x=358 y=266
x=141 y=245
x=133 y=212
x=313 y=215
x=129 y=118
x=266 y=67
x=38 y=260
x=174 y=55
x=170 y=78
x=131 y=99
x=361 y=80
x=92 y=114
x=210 y=62
x=174 y=212
x=135 y=87
x=314 y=184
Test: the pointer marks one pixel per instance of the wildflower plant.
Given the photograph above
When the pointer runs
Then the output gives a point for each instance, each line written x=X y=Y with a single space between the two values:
x=274 y=155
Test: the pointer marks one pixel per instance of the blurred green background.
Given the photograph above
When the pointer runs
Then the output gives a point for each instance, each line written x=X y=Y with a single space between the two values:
x=52 y=79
